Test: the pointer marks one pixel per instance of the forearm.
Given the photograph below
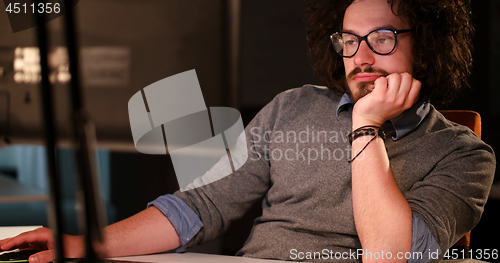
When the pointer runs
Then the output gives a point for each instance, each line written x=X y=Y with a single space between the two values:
x=381 y=213
x=144 y=233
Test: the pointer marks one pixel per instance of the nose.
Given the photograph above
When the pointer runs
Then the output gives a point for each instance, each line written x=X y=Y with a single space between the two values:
x=365 y=56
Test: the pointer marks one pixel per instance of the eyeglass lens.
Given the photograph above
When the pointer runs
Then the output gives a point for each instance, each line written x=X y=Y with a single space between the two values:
x=381 y=41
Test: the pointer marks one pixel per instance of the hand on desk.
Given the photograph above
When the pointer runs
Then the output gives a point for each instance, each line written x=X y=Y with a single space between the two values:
x=144 y=233
x=43 y=239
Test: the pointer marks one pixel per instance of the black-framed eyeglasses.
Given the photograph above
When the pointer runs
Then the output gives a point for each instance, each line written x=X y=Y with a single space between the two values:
x=381 y=41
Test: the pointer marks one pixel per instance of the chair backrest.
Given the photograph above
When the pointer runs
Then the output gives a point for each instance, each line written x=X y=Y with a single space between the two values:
x=467 y=118
x=472 y=120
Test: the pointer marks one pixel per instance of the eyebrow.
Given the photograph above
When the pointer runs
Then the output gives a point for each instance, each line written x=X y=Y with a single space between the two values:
x=374 y=28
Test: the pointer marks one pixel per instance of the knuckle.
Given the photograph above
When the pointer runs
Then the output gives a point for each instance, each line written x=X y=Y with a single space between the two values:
x=399 y=103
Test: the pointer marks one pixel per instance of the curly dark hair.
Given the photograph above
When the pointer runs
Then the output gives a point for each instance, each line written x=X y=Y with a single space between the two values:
x=442 y=44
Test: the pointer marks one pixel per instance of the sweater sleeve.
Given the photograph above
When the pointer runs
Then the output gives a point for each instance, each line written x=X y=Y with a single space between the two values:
x=220 y=202
x=451 y=198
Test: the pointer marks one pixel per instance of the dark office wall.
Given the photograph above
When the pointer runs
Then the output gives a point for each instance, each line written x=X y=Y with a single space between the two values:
x=273 y=51
x=162 y=38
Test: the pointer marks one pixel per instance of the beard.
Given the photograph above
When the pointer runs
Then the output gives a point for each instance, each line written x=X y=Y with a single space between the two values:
x=363 y=88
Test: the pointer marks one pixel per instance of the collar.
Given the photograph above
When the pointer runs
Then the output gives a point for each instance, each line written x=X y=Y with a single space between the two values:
x=403 y=124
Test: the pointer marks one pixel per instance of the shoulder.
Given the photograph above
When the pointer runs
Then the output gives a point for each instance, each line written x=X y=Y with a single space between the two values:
x=435 y=125
x=308 y=91
x=302 y=98
x=454 y=146
x=306 y=101
x=439 y=142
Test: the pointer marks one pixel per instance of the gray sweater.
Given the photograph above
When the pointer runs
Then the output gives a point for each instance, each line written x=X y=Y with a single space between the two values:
x=297 y=161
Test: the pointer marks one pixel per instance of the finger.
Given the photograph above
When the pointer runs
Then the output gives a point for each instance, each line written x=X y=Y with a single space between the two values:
x=43 y=236
x=406 y=84
x=24 y=246
x=403 y=94
x=13 y=243
x=2 y=242
x=414 y=93
x=42 y=257
x=37 y=246
x=394 y=83
x=380 y=85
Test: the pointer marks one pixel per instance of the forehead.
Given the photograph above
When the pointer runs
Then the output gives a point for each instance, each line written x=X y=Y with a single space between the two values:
x=363 y=16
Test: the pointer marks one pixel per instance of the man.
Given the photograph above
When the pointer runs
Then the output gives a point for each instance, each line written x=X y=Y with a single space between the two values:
x=416 y=191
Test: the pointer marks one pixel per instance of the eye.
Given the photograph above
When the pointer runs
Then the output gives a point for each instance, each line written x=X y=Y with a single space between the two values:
x=350 y=42
x=382 y=40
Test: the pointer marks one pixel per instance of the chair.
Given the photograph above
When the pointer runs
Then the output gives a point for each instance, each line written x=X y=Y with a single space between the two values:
x=472 y=120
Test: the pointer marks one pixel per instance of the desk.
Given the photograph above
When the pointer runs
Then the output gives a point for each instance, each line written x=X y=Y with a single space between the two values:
x=10 y=231
x=194 y=258
x=13 y=191
x=186 y=257
x=209 y=258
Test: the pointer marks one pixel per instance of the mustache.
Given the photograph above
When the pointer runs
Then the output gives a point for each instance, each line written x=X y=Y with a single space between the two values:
x=367 y=70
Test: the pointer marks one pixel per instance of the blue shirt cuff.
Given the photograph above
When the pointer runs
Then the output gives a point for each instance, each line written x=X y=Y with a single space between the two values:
x=424 y=247
x=185 y=221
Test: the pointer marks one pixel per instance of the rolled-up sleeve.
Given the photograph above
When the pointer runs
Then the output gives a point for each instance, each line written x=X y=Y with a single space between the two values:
x=422 y=243
x=185 y=221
